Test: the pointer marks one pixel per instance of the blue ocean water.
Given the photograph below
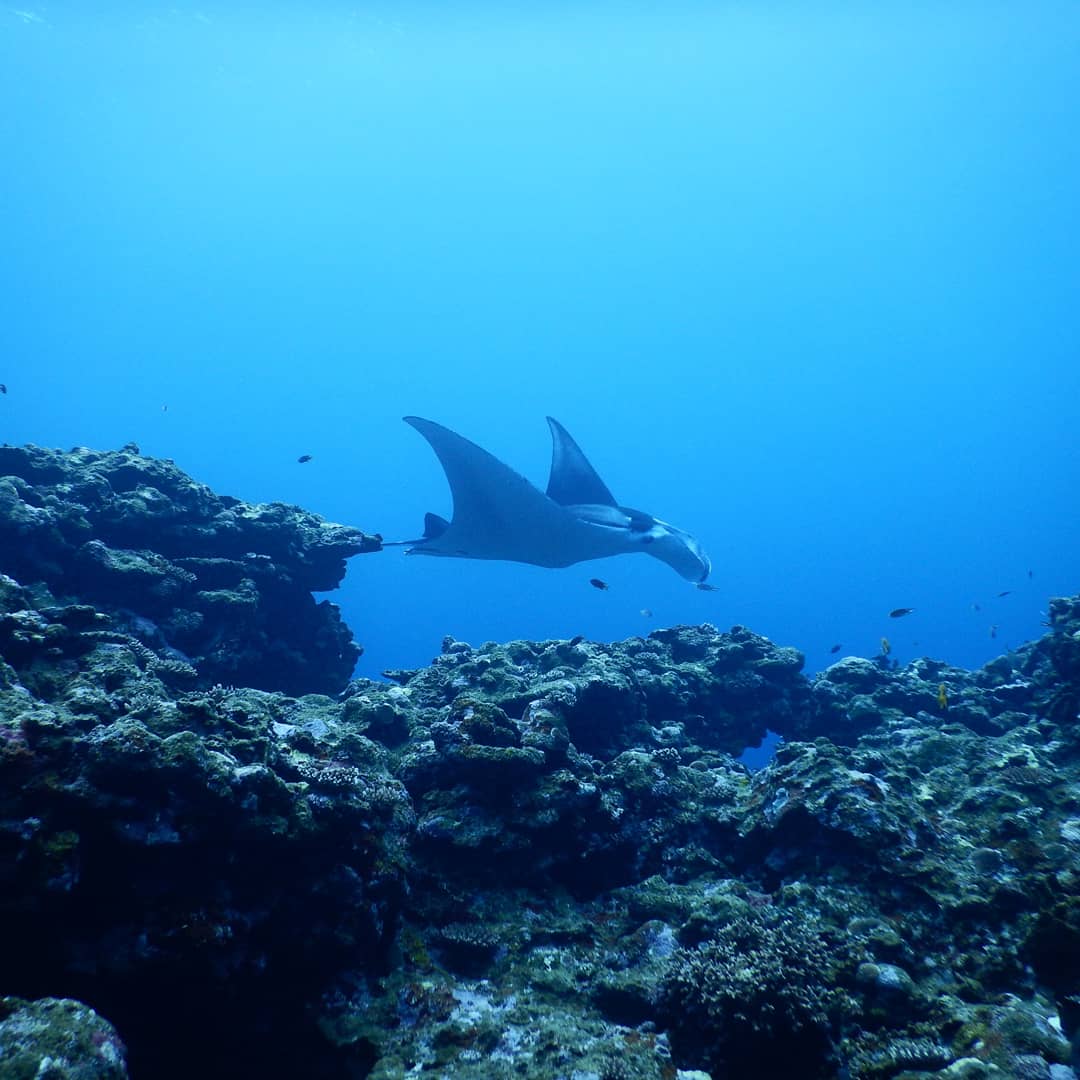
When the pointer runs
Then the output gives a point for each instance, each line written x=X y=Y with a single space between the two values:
x=800 y=278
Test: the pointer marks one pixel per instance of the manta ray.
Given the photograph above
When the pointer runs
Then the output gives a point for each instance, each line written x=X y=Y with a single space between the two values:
x=498 y=514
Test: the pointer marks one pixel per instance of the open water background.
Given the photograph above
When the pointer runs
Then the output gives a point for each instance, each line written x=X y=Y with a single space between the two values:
x=800 y=278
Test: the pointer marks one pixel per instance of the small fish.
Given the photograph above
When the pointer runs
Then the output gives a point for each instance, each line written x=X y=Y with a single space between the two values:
x=303 y=459
x=993 y=630
x=1030 y=575
x=899 y=612
x=976 y=607
x=836 y=648
x=886 y=648
x=596 y=583
x=1005 y=592
x=3 y=388
x=647 y=612
x=942 y=697
x=577 y=639
x=704 y=586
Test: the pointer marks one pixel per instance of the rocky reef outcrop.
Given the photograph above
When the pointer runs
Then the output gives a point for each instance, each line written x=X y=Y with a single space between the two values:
x=58 y=1040
x=532 y=859
x=220 y=588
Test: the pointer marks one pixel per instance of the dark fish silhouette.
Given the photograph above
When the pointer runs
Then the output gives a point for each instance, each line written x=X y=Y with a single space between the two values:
x=577 y=639
x=303 y=459
x=993 y=630
x=836 y=648
x=1004 y=592
x=596 y=583
x=896 y=613
x=705 y=587
x=3 y=388
x=886 y=648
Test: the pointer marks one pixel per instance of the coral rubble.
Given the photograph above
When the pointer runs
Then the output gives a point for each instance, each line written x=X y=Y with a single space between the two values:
x=534 y=859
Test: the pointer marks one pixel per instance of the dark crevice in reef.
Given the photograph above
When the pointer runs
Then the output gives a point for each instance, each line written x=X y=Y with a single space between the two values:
x=533 y=859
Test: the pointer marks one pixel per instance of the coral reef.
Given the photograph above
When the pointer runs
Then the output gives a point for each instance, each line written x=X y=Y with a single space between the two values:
x=57 y=1040
x=760 y=995
x=533 y=859
x=209 y=581
x=181 y=856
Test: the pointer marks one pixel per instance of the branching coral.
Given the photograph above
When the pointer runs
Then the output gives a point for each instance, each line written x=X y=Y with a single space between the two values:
x=760 y=995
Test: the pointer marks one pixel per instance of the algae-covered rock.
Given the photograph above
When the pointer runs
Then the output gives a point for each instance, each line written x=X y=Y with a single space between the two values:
x=220 y=585
x=686 y=686
x=53 y=1039
x=169 y=851
x=531 y=859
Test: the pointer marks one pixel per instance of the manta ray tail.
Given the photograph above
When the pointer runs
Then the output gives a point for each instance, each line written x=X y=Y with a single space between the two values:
x=433 y=526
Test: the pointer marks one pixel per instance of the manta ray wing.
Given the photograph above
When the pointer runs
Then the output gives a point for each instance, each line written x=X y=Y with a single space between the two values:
x=573 y=481
x=498 y=514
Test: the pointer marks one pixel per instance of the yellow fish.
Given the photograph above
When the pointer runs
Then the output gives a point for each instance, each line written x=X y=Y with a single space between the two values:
x=886 y=648
x=942 y=697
